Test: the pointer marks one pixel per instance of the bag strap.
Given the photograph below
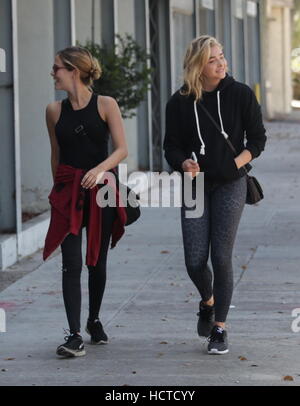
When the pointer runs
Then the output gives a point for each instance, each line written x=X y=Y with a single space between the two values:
x=225 y=136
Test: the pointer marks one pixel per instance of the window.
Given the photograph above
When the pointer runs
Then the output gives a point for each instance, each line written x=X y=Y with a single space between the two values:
x=183 y=31
x=238 y=40
x=224 y=28
x=207 y=17
x=253 y=42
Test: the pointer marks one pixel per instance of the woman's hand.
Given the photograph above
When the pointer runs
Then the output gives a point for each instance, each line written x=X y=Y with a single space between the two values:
x=190 y=166
x=92 y=177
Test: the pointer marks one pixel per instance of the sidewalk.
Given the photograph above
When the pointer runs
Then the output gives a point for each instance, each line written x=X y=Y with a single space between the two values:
x=150 y=305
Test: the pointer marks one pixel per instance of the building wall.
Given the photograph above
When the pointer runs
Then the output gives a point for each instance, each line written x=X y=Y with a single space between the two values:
x=36 y=90
x=276 y=52
x=125 y=23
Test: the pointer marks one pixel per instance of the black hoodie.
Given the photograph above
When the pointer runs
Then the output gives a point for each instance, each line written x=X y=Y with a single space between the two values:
x=234 y=106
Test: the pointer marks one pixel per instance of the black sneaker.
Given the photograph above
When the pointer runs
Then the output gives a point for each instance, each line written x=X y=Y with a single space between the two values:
x=206 y=319
x=73 y=347
x=95 y=330
x=218 y=342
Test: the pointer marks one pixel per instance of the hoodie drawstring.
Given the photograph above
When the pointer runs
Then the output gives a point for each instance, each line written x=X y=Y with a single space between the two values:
x=202 y=151
x=225 y=135
x=220 y=117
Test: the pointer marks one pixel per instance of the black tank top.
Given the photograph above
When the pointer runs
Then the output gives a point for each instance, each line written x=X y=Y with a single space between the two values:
x=82 y=135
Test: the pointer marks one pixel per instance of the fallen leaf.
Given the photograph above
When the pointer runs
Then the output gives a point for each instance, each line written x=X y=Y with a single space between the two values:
x=244 y=267
x=288 y=378
x=164 y=252
x=242 y=358
x=9 y=359
x=163 y=342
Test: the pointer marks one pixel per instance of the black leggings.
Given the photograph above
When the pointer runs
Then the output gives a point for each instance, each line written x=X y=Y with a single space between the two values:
x=216 y=230
x=72 y=266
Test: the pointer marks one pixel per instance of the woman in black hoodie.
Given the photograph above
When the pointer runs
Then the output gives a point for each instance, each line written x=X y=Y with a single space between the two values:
x=234 y=107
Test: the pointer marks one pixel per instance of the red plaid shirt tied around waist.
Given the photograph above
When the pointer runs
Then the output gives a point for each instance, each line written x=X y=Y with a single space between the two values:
x=67 y=201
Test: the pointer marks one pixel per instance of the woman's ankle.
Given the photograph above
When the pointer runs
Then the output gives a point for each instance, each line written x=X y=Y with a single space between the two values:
x=220 y=324
x=209 y=302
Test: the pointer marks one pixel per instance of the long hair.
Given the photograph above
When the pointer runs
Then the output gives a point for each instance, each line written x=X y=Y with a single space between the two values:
x=197 y=56
x=81 y=58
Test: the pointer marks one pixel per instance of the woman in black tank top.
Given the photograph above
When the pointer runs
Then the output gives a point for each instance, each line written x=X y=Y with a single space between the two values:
x=79 y=129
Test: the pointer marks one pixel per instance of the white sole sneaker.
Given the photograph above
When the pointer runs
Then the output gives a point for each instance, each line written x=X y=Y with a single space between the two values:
x=101 y=342
x=67 y=352
x=214 y=351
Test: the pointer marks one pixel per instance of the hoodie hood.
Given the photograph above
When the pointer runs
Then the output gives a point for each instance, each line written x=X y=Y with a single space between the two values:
x=224 y=83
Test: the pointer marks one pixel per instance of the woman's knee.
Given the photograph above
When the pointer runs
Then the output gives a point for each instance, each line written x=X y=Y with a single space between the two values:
x=193 y=268
x=221 y=261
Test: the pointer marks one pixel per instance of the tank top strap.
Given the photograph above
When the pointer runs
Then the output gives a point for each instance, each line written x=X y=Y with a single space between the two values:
x=94 y=102
x=64 y=105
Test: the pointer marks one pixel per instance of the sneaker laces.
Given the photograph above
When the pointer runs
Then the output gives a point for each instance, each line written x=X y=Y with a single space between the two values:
x=217 y=335
x=69 y=335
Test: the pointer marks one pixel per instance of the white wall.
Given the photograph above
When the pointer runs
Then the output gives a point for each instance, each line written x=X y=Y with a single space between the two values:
x=83 y=19
x=276 y=51
x=36 y=48
x=126 y=24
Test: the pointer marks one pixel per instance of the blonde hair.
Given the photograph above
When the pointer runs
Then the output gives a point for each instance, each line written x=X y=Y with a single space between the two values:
x=81 y=58
x=197 y=56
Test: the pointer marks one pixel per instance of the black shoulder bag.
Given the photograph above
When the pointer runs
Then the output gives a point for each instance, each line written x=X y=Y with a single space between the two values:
x=131 y=199
x=254 y=190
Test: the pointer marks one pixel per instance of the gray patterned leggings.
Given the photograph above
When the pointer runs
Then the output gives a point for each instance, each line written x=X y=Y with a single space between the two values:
x=216 y=230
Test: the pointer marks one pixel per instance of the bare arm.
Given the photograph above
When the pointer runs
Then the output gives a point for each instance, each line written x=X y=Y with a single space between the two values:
x=52 y=114
x=112 y=116
x=110 y=112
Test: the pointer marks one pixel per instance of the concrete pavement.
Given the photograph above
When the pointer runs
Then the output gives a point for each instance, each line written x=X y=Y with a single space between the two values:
x=150 y=305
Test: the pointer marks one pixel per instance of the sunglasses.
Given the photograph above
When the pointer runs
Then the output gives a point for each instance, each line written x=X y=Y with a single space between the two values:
x=56 y=68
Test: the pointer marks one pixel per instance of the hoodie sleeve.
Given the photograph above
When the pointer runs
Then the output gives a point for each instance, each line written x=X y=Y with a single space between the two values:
x=174 y=150
x=253 y=125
